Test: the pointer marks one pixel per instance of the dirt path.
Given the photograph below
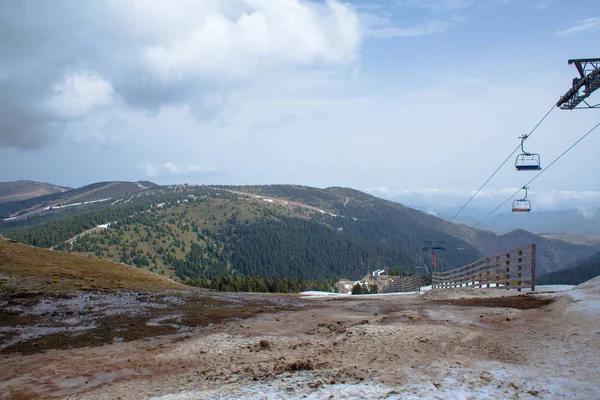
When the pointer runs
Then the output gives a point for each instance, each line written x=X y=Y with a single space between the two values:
x=280 y=201
x=95 y=229
x=379 y=347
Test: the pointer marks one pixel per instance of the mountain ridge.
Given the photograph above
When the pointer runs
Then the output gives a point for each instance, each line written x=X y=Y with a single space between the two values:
x=194 y=231
x=25 y=189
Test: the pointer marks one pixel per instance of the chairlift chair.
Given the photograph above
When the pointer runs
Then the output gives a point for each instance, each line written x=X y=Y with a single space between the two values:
x=522 y=205
x=527 y=161
x=439 y=246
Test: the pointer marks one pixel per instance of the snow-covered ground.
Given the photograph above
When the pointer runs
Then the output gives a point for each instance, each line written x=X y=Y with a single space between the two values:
x=83 y=203
x=586 y=297
x=481 y=381
x=539 y=289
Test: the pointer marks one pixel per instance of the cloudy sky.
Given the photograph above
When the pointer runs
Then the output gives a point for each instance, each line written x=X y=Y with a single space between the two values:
x=416 y=100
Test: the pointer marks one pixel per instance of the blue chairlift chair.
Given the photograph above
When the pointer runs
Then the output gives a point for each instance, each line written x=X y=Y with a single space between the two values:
x=527 y=161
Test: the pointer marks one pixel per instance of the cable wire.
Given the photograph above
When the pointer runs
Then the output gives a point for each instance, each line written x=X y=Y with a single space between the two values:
x=539 y=173
x=502 y=165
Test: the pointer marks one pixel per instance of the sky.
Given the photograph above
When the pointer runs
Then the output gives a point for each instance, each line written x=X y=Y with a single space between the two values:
x=413 y=100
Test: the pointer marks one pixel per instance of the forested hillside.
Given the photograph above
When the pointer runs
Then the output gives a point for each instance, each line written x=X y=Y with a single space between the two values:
x=386 y=220
x=580 y=272
x=295 y=232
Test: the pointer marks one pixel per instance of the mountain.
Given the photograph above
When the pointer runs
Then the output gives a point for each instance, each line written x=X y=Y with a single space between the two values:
x=22 y=190
x=560 y=221
x=588 y=240
x=567 y=221
x=66 y=200
x=551 y=254
x=575 y=274
x=191 y=231
x=585 y=221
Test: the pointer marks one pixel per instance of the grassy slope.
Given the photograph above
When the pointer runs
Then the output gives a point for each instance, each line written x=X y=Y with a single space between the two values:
x=580 y=272
x=21 y=190
x=27 y=268
x=210 y=214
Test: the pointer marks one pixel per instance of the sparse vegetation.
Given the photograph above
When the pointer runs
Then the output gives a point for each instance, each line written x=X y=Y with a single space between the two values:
x=28 y=269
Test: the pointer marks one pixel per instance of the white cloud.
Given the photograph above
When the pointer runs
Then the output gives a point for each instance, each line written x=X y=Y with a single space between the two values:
x=586 y=25
x=79 y=94
x=589 y=213
x=577 y=199
x=239 y=37
x=170 y=169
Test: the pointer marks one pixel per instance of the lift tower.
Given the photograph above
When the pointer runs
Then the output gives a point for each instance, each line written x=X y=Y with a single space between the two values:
x=584 y=85
x=433 y=245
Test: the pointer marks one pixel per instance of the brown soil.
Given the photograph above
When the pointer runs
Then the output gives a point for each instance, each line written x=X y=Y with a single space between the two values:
x=196 y=310
x=238 y=340
x=523 y=302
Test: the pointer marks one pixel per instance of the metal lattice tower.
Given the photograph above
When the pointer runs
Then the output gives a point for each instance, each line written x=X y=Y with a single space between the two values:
x=583 y=86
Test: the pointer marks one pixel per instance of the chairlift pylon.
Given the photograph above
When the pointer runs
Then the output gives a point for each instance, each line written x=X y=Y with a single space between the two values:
x=527 y=161
x=463 y=245
x=522 y=205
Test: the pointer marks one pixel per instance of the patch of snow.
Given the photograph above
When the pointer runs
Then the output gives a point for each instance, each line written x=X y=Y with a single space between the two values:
x=480 y=381
x=314 y=293
x=76 y=204
x=586 y=297
x=553 y=288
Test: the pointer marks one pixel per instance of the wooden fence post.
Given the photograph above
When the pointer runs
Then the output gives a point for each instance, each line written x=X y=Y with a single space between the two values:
x=520 y=269
x=533 y=267
x=507 y=264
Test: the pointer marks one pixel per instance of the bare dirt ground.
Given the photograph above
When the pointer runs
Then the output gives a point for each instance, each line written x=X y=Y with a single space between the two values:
x=467 y=343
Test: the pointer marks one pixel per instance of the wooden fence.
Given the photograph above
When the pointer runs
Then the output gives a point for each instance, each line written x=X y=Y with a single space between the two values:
x=514 y=269
x=409 y=284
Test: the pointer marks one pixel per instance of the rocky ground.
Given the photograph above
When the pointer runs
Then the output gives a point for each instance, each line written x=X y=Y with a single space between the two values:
x=463 y=343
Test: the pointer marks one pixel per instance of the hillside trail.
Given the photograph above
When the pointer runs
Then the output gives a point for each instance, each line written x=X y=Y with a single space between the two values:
x=95 y=229
x=438 y=345
x=279 y=200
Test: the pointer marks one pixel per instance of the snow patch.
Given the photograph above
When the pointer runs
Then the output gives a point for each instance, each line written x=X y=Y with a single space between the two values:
x=480 y=381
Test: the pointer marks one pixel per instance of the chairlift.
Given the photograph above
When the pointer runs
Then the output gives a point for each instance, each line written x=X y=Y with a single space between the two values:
x=522 y=205
x=527 y=161
x=438 y=246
